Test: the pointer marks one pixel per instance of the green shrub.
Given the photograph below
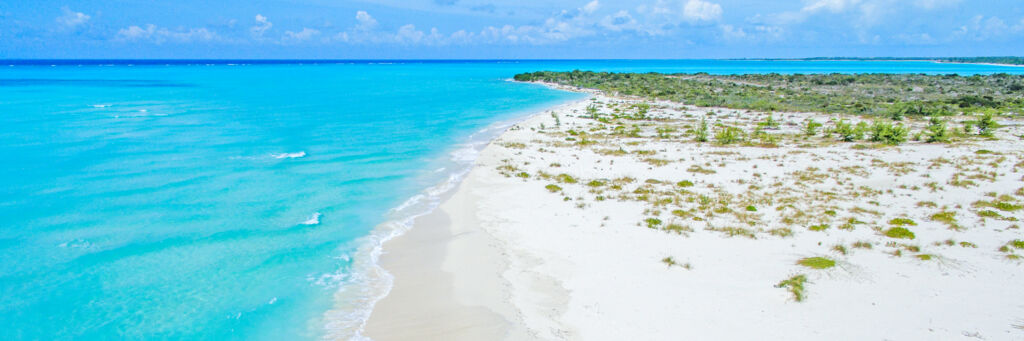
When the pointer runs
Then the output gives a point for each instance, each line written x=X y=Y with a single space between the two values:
x=685 y=183
x=565 y=178
x=848 y=132
x=729 y=135
x=641 y=111
x=817 y=262
x=795 y=285
x=888 y=133
x=899 y=233
x=947 y=217
x=701 y=134
x=591 y=111
x=987 y=125
x=819 y=227
x=652 y=222
x=937 y=131
x=1016 y=243
x=553 y=188
x=811 y=127
x=769 y=122
x=1007 y=207
x=902 y=222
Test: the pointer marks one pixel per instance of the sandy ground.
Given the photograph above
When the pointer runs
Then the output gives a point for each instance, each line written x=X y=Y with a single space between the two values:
x=568 y=229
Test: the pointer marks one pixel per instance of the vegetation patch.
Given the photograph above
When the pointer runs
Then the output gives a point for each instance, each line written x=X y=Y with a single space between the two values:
x=678 y=229
x=795 y=285
x=902 y=222
x=701 y=170
x=734 y=231
x=817 y=262
x=946 y=217
x=899 y=233
x=565 y=178
x=819 y=227
x=862 y=245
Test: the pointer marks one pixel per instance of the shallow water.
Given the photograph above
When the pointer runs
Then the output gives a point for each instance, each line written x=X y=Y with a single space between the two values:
x=217 y=201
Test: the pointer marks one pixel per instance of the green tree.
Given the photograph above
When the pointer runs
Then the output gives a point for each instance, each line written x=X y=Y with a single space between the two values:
x=987 y=125
x=729 y=135
x=937 y=131
x=847 y=132
x=701 y=134
x=811 y=127
x=592 y=111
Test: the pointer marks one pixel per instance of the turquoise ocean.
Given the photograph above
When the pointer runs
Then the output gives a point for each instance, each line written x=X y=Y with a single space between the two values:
x=247 y=200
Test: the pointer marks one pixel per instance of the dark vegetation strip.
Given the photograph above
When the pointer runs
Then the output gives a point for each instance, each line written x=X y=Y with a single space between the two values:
x=889 y=95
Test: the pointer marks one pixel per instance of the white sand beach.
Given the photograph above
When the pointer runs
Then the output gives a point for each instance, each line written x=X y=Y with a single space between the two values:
x=570 y=228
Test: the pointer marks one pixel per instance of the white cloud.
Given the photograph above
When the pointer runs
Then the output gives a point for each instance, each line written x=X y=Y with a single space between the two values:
x=159 y=35
x=815 y=7
x=915 y=38
x=71 y=19
x=758 y=33
x=262 y=25
x=731 y=32
x=982 y=28
x=306 y=34
x=564 y=26
x=932 y=4
x=364 y=22
x=697 y=10
x=834 y=6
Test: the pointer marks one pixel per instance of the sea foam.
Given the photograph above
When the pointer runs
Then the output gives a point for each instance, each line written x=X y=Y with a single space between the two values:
x=289 y=155
x=313 y=219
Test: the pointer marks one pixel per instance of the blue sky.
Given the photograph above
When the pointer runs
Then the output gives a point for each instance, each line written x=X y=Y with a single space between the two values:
x=508 y=29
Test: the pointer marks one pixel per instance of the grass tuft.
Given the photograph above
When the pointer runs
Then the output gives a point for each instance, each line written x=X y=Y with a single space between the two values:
x=902 y=222
x=795 y=285
x=862 y=245
x=817 y=262
x=781 y=232
x=947 y=217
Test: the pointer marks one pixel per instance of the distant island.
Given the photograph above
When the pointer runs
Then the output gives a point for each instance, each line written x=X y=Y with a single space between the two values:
x=963 y=60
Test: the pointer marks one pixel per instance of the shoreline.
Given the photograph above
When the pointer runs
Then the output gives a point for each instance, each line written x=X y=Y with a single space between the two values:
x=419 y=237
x=519 y=253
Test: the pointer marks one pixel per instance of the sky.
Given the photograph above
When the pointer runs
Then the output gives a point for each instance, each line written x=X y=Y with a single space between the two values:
x=518 y=29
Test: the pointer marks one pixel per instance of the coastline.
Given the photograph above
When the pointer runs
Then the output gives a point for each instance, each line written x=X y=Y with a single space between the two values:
x=414 y=249
x=505 y=257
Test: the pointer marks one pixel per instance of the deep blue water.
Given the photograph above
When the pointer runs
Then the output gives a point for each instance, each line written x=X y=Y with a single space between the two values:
x=231 y=199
